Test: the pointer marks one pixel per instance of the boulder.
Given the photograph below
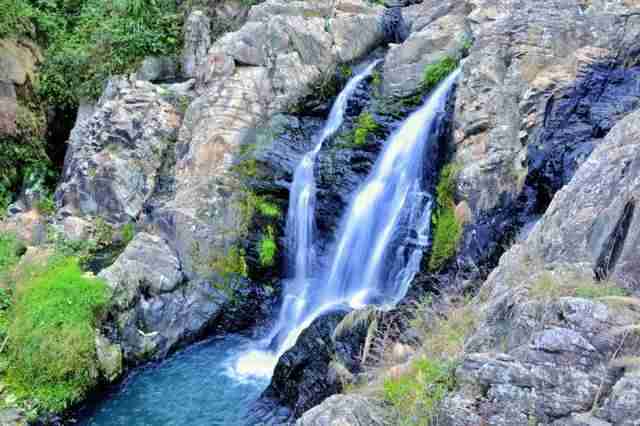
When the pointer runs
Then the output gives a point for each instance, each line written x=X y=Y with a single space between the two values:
x=342 y=410
x=153 y=309
x=438 y=39
x=157 y=68
x=114 y=157
x=109 y=359
x=302 y=377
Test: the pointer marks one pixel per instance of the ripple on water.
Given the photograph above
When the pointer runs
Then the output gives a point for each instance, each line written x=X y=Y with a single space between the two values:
x=196 y=387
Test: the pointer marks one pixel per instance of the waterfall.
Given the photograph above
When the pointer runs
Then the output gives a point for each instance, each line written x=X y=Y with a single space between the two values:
x=301 y=219
x=382 y=236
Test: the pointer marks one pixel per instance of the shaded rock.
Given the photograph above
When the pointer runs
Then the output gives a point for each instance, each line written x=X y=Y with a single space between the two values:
x=113 y=159
x=197 y=40
x=154 y=310
x=301 y=379
x=343 y=410
x=537 y=355
x=395 y=28
x=622 y=407
x=157 y=68
x=529 y=111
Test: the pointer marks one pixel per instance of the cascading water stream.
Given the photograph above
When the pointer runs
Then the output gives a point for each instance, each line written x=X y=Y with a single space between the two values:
x=377 y=253
x=300 y=239
x=389 y=208
x=382 y=236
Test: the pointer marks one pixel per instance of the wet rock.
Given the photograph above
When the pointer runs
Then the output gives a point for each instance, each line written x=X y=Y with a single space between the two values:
x=342 y=410
x=113 y=159
x=197 y=40
x=301 y=379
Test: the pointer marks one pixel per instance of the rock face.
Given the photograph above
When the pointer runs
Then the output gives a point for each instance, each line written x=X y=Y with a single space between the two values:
x=437 y=31
x=538 y=356
x=302 y=379
x=544 y=83
x=343 y=410
x=197 y=40
x=155 y=309
x=18 y=64
x=265 y=67
x=114 y=157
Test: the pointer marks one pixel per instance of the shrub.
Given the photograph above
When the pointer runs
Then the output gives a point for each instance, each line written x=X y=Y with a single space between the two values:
x=101 y=38
x=52 y=335
x=447 y=230
x=268 y=248
x=436 y=72
x=15 y=19
x=416 y=395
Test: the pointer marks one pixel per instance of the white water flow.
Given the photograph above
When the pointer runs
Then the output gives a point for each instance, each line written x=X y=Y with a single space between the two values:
x=381 y=239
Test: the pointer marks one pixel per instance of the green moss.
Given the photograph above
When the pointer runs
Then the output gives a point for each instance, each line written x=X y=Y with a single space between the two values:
x=52 y=333
x=446 y=229
x=436 y=72
x=128 y=232
x=416 y=396
x=268 y=248
x=230 y=265
x=252 y=204
x=364 y=126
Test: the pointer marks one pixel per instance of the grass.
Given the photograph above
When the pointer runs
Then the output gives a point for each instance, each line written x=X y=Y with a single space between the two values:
x=417 y=391
x=436 y=72
x=268 y=248
x=417 y=395
x=547 y=288
x=51 y=335
x=365 y=125
x=447 y=229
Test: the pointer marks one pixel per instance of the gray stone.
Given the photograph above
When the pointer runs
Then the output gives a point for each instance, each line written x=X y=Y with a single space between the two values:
x=109 y=358
x=154 y=309
x=113 y=160
x=157 y=68
x=197 y=40
x=347 y=410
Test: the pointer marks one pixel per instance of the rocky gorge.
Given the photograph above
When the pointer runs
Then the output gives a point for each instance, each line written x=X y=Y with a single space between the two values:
x=175 y=186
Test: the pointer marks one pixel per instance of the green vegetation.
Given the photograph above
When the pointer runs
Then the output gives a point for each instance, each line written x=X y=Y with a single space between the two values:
x=436 y=72
x=268 y=248
x=548 y=287
x=87 y=41
x=251 y=204
x=51 y=334
x=416 y=395
x=230 y=265
x=366 y=125
x=128 y=232
x=446 y=228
